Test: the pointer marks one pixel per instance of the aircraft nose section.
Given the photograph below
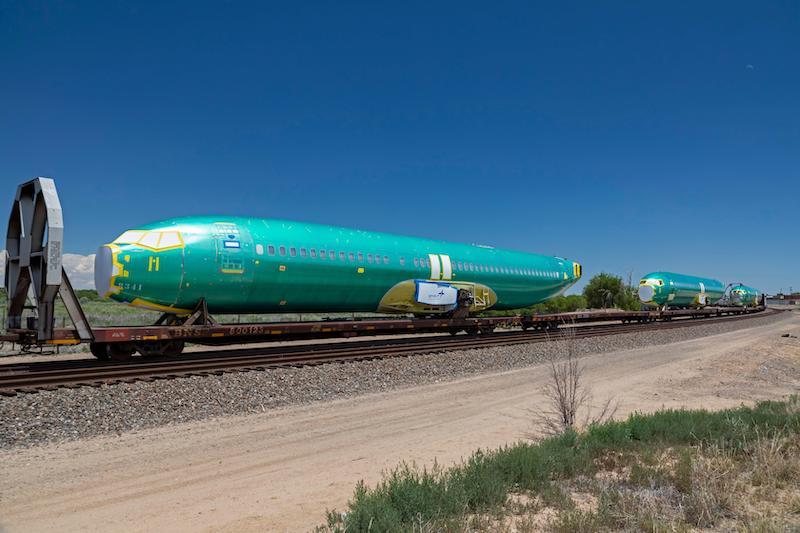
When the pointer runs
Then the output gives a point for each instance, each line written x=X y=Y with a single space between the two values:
x=646 y=293
x=103 y=270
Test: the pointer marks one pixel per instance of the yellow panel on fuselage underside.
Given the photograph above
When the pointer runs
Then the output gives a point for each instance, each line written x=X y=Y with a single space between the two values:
x=401 y=298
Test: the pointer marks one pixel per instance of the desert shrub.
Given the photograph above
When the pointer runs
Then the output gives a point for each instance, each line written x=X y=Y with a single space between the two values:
x=702 y=476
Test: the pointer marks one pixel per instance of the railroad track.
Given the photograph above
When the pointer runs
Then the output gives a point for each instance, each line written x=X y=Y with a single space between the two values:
x=33 y=377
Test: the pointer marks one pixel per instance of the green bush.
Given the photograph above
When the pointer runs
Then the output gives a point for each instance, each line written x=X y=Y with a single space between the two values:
x=408 y=496
x=87 y=295
x=559 y=304
x=607 y=290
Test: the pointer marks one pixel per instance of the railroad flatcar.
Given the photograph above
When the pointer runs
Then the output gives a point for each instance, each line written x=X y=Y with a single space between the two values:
x=667 y=289
x=249 y=265
x=744 y=296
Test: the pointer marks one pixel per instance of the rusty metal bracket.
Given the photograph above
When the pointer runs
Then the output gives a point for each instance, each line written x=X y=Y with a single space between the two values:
x=200 y=316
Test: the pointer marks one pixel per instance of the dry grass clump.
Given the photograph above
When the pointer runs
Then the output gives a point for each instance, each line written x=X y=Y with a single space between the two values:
x=568 y=399
x=674 y=470
x=754 y=488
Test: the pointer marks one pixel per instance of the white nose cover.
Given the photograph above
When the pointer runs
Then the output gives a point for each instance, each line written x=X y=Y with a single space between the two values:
x=646 y=293
x=103 y=271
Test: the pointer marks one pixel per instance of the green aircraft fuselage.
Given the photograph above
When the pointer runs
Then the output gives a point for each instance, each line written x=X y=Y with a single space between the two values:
x=241 y=265
x=743 y=295
x=679 y=290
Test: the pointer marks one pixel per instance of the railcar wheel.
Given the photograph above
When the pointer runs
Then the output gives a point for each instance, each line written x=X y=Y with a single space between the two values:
x=172 y=348
x=160 y=348
x=120 y=351
x=100 y=350
x=148 y=349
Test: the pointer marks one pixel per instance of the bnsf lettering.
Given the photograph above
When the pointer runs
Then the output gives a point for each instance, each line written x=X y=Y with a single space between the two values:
x=204 y=332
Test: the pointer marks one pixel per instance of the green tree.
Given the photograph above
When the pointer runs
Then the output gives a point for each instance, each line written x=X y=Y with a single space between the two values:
x=559 y=304
x=87 y=295
x=564 y=304
x=607 y=290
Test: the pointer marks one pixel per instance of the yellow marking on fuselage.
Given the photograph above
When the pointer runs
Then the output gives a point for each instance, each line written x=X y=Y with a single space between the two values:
x=112 y=288
x=138 y=302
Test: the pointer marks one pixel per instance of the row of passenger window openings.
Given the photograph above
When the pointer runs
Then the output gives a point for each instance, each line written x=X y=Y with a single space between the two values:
x=419 y=262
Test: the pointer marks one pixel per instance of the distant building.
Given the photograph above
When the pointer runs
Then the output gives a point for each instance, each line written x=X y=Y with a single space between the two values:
x=781 y=299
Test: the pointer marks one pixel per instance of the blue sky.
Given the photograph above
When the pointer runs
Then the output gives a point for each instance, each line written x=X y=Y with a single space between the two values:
x=630 y=137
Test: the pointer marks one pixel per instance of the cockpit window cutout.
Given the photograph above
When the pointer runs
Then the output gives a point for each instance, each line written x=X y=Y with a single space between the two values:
x=169 y=239
x=130 y=237
x=154 y=240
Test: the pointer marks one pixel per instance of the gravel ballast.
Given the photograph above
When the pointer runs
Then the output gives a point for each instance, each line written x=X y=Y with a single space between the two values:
x=68 y=414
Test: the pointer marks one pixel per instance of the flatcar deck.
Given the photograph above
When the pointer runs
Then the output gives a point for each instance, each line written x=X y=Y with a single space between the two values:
x=34 y=376
x=280 y=331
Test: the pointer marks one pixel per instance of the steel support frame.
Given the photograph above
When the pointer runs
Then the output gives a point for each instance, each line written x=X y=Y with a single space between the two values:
x=34 y=268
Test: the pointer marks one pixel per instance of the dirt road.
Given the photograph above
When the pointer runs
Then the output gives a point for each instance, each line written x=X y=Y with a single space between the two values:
x=281 y=470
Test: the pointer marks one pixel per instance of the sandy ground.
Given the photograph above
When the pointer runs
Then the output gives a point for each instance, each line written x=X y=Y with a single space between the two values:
x=281 y=470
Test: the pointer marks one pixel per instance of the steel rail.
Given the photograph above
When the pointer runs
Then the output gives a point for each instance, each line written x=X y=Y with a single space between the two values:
x=31 y=378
